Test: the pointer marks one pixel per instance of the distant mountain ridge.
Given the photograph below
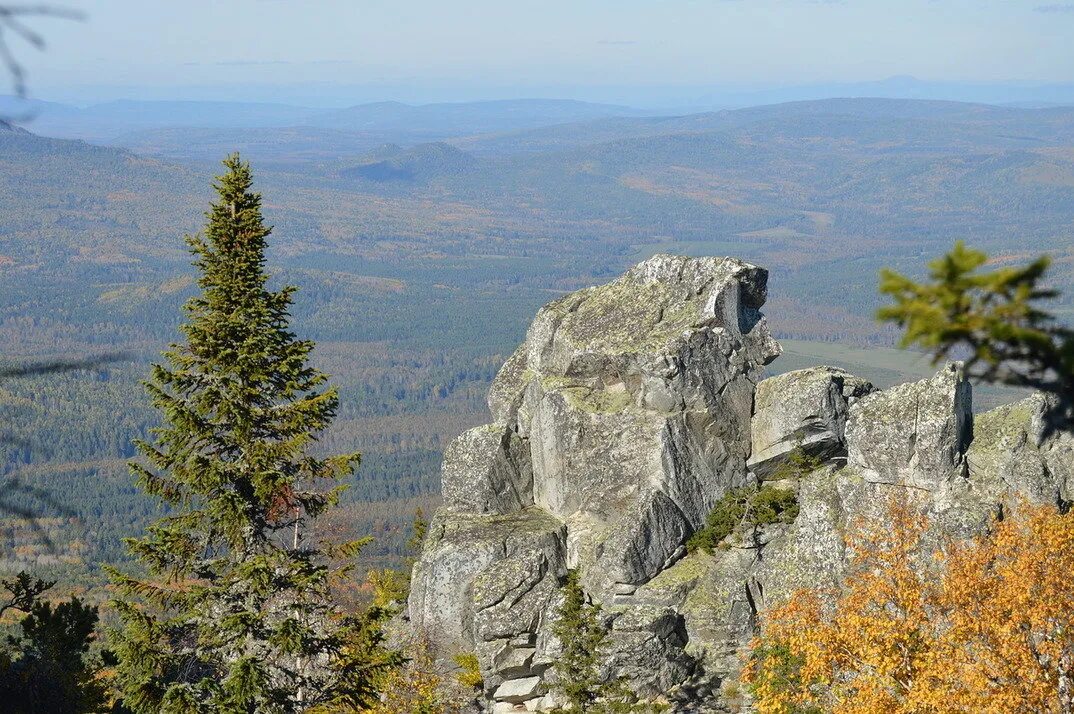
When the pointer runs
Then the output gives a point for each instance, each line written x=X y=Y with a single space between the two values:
x=402 y=267
x=877 y=109
x=896 y=87
x=106 y=121
x=474 y=117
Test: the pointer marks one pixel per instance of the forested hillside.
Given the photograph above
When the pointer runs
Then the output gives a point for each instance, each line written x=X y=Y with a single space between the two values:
x=822 y=192
x=420 y=265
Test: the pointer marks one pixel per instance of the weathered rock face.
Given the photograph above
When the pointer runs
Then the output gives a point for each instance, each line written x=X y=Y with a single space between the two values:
x=487 y=470
x=1009 y=453
x=940 y=412
x=471 y=563
x=619 y=423
x=804 y=409
x=635 y=400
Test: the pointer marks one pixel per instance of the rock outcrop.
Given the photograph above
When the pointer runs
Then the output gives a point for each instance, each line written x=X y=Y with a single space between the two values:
x=806 y=409
x=629 y=411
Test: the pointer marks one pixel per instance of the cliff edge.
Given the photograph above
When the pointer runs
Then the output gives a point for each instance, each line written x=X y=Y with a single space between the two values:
x=625 y=416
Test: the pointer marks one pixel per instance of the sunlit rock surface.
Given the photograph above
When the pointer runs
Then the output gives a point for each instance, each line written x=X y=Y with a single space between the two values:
x=627 y=413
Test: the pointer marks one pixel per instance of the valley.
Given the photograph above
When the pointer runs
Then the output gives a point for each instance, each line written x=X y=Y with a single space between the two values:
x=420 y=264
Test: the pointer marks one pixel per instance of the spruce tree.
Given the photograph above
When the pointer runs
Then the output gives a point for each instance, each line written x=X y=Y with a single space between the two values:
x=234 y=613
x=582 y=637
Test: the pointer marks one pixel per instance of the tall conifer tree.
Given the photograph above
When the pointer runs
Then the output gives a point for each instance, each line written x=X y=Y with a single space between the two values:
x=235 y=614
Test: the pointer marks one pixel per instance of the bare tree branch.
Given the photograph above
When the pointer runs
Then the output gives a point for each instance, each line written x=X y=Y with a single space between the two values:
x=12 y=24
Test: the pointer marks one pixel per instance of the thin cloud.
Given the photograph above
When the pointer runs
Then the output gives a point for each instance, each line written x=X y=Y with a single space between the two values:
x=617 y=42
x=1055 y=7
x=258 y=63
x=247 y=63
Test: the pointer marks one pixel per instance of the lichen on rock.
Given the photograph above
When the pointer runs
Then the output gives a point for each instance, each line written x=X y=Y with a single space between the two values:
x=625 y=416
x=805 y=409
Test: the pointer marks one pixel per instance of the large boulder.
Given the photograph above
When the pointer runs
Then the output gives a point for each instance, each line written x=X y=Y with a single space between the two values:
x=1011 y=452
x=487 y=470
x=641 y=542
x=635 y=399
x=647 y=648
x=1010 y=459
x=617 y=425
x=804 y=409
x=471 y=565
x=913 y=434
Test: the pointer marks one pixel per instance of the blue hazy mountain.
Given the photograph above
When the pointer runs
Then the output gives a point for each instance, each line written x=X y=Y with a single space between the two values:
x=898 y=87
x=107 y=121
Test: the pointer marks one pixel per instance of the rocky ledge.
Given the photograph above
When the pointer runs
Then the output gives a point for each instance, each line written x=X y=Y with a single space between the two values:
x=629 y=411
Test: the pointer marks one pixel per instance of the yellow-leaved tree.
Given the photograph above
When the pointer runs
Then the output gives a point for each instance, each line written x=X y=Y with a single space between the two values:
x=984 y=626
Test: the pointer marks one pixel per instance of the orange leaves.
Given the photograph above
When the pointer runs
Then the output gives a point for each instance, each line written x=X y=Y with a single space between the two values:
x=1008 y=604
x=283 y=505
x=984 y=626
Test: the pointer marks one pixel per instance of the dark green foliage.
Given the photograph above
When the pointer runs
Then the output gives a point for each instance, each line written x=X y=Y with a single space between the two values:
x=798 y=464
x=47 y=668
x=992 y=319
x=235 y=615
x=754 y=507
x=584 y=637
x=391 y=586
x=65 y=437
x=418 y=529
x=24 y=591
x=773 y=505
x=744 y=506
x=722 y=520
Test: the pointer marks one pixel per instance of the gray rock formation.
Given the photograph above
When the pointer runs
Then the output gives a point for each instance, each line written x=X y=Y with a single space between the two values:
x=487 y=470
x=804 y=409
x=470 y=564
x=1009 y=452
x=620 y=422
x=939 y=416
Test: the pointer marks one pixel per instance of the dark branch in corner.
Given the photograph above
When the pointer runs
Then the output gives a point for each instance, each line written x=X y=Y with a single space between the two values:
x=12 y=487
x=13 y=24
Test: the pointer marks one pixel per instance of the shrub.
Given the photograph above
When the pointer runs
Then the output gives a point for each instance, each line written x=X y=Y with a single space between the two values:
x=744 y=507
x=469 y=670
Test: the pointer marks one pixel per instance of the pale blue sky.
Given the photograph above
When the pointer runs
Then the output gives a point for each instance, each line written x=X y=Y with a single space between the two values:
x=477 y=46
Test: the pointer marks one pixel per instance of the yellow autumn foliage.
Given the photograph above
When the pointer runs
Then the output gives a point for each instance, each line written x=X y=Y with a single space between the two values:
x=984 y=626
x=424 y=685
